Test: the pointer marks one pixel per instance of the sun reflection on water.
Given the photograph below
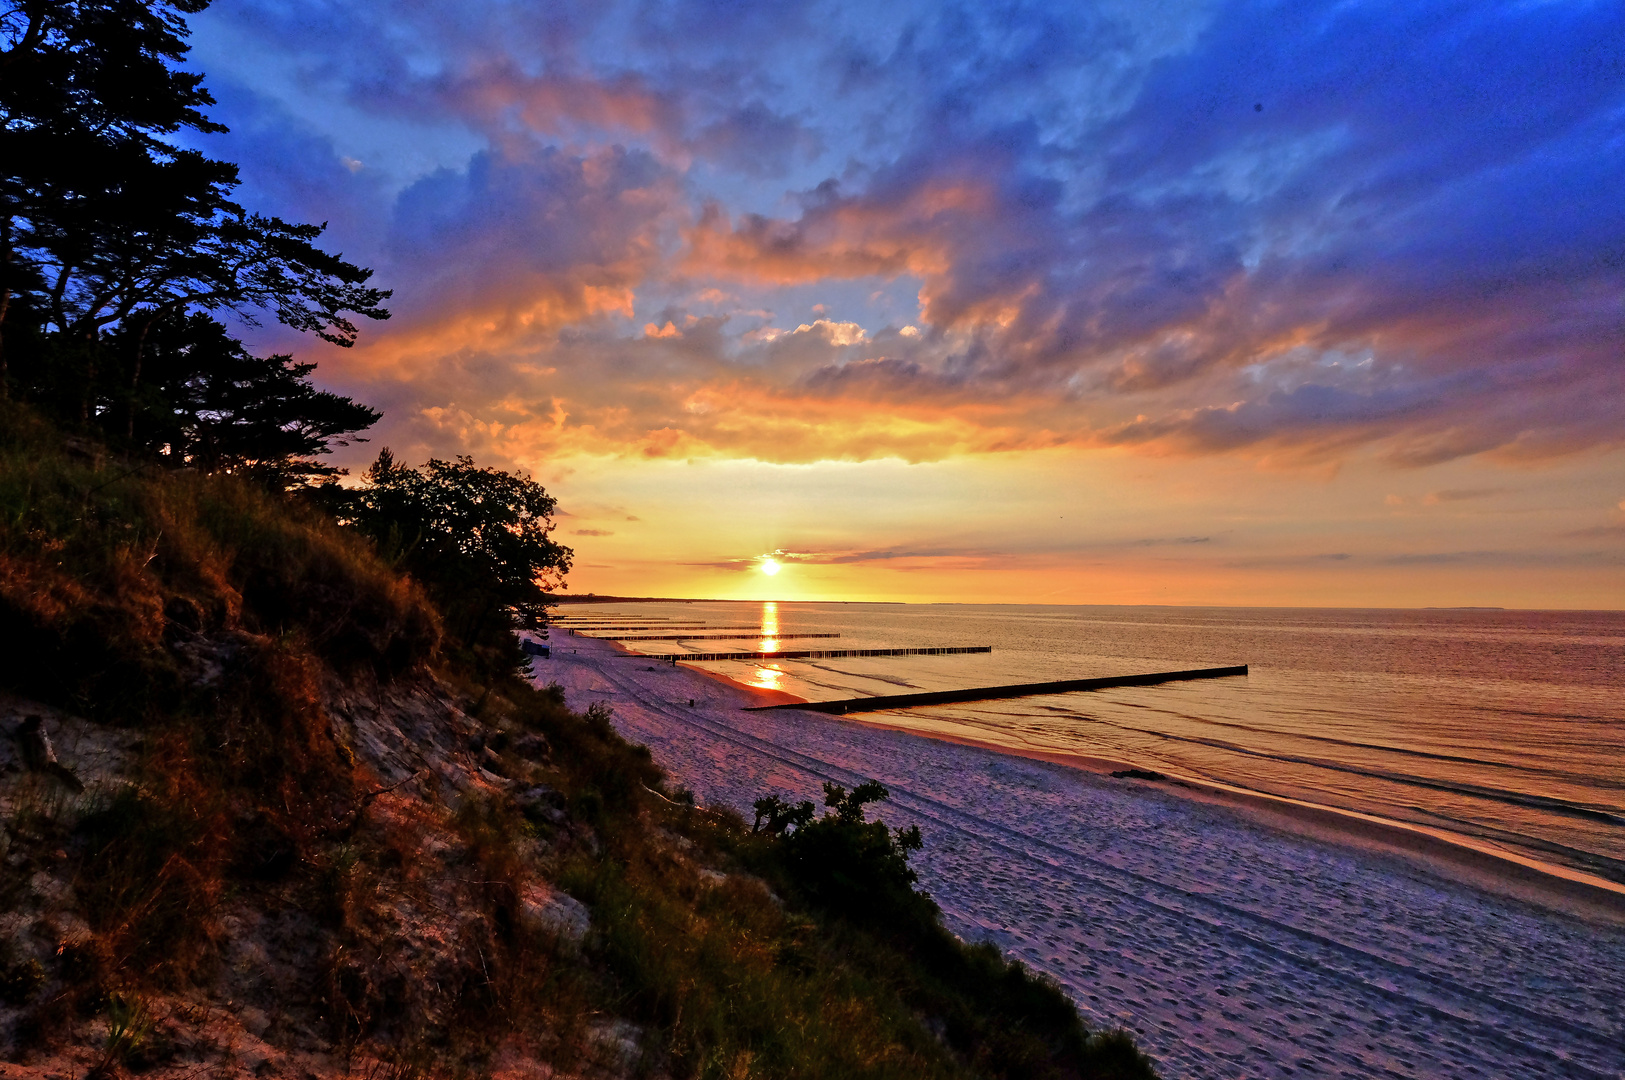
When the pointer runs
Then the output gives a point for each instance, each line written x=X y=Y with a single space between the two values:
x=768 y=678
x=770 y=619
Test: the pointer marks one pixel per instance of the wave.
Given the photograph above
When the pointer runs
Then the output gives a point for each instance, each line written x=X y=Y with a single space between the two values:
x=1406 y=751
x=1549 y=803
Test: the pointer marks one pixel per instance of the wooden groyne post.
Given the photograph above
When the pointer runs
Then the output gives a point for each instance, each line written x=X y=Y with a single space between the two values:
x=583 y=629
x=990 y=693
x=811 y=654
x=719 y=637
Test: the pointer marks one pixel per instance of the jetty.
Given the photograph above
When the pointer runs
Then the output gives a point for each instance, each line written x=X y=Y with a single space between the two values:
x=619 y=619
x=613 y=618
x=990 y=693
x=715 y=637
x=752 y=626
x=810 y=654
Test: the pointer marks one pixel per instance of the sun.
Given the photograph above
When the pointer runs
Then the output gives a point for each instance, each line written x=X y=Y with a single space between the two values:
x=771 y=567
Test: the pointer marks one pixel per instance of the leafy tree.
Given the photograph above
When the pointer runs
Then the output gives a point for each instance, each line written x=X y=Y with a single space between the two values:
x=211 y=404
x=478 y=538
x=106 y=223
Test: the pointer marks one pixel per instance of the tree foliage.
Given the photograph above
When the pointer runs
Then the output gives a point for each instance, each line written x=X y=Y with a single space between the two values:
x=106 y=216
x=844 y=863
x=478 y=538
x=110 y=230
x=209 y=403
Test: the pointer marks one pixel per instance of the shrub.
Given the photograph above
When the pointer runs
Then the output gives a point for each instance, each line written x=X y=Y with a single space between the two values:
x=1000 y=1019
x=851 y=867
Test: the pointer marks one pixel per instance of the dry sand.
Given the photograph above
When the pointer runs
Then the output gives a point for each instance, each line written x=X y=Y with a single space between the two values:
x=1236 y=937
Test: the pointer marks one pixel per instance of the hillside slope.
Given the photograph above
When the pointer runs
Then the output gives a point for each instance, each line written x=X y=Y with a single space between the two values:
x=254 y=821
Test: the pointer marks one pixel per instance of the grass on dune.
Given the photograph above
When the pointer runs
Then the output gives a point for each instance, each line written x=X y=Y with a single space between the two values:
x=725 y=947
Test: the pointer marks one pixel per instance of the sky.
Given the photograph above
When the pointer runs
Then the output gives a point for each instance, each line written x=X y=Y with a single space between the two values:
x=1308 y=304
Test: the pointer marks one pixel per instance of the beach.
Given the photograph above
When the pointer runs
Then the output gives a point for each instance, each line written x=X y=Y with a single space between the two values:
x=1233 y=939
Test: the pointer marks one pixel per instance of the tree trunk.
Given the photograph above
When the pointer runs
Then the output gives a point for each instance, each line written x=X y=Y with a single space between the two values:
x=135 y=380
x=90 y=382
x=5 y=305
x=478 y=624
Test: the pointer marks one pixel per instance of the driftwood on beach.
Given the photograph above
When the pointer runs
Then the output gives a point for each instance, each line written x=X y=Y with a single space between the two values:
x=988 y=693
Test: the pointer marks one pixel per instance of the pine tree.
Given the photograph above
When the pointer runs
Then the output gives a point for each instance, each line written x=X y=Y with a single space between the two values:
x=107 y=228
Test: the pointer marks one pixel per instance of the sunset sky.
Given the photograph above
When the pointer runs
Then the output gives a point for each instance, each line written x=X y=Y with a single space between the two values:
x=1308 y=303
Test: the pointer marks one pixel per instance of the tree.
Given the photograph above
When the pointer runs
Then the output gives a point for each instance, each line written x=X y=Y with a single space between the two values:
x=210 y=404
x=105 y=223
x=478 y=538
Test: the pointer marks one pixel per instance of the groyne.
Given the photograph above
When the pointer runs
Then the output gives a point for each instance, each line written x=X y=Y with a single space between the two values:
x=811 y=654
x=990 y=693
x=717 y=637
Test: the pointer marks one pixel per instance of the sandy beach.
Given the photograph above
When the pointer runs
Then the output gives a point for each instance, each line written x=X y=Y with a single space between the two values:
x=1235 y=939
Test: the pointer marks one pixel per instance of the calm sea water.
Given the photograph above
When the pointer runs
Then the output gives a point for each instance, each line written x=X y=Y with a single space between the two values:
x=1505 y=726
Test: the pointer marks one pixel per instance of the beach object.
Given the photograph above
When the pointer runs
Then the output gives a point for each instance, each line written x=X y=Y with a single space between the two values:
x=696 y=626
x=719 y=637
x=988 y=693
x=811 y=654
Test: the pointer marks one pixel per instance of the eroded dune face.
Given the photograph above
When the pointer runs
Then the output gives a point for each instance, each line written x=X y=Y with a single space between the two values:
x=288 y=982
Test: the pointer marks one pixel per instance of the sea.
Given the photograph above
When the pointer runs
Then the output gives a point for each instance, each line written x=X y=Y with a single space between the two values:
x=1503 y=728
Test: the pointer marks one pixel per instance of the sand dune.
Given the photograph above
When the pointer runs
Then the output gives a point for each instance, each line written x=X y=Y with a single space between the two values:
x=1232 y=948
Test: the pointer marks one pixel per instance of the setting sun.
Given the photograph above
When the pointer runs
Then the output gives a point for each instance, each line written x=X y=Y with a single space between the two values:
x=770 y=567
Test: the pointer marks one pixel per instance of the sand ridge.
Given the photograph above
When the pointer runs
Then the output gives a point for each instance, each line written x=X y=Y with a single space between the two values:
x=1231 y=947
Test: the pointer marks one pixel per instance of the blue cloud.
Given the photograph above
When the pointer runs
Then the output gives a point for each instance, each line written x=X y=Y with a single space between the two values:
x=1170 y=222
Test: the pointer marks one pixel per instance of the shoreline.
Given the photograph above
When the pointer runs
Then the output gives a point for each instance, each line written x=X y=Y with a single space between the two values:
x=1449 y=855
x=1232 y=936
x=1502 y=872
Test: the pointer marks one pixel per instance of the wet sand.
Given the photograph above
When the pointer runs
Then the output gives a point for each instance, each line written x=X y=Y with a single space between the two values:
x=1236 y=935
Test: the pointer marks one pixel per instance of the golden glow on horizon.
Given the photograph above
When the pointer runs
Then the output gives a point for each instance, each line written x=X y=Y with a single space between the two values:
x=1066 y=527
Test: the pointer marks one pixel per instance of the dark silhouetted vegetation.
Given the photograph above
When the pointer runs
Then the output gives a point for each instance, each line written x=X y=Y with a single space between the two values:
x=479 y=539
x=843 y=863
x=112 y=238
x=208 y=403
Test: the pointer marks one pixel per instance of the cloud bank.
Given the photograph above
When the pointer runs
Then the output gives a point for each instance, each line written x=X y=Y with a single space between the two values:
x=821 y=230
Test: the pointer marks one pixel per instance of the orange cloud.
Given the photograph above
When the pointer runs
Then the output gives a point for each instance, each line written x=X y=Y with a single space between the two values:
x=555 y=103
x=836 y=239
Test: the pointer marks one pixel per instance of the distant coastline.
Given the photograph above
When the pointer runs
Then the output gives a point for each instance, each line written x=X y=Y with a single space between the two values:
x=606 y=598
x=593 y=598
